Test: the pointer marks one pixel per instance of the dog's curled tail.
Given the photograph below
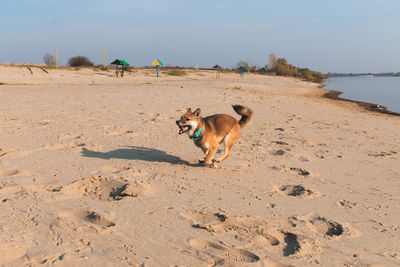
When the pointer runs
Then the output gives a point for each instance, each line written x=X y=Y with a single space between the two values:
x=247 y=114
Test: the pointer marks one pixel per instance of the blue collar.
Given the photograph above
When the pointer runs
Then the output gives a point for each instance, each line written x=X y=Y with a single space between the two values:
x=196 y=135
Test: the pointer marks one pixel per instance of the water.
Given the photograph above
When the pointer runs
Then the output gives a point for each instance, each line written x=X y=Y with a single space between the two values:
x=384 y=91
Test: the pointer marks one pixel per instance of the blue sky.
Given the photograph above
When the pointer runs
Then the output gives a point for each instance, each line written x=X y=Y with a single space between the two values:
x=329 y=36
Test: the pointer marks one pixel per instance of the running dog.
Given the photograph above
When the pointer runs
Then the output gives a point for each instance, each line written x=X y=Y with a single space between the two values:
x=207 y=133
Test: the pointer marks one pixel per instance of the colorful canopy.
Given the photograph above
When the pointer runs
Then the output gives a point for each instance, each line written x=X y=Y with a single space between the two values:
x=157 y=62
x=120 y=62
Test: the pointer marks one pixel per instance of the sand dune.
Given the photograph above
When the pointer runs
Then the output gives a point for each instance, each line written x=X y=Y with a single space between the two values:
x=93 y=172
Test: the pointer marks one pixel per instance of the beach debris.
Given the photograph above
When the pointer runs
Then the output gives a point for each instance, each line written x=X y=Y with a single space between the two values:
x=43 y=69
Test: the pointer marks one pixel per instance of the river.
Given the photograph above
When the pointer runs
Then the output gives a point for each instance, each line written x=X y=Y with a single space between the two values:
x=384 y=91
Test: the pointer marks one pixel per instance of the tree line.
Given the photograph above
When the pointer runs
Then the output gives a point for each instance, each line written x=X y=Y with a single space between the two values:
x=281 y=67
x=77 y=61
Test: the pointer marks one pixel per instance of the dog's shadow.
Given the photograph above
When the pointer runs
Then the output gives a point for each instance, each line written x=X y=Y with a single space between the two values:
x=137 y=153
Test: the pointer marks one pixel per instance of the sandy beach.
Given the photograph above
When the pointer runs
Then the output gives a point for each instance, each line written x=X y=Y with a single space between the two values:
x=94 y=173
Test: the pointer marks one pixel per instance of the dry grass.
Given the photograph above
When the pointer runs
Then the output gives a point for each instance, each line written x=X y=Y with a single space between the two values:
x=176 y=72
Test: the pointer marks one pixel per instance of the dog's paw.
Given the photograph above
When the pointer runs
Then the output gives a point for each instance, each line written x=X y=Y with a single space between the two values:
x=214 y=165
x=202 y=160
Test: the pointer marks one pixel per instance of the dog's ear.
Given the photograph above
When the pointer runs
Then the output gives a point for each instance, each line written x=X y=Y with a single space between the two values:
x=197 y=112
x=188 y=110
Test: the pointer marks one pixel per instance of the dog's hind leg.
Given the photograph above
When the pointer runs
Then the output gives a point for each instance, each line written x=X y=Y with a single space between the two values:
x=227 y=148
x=229 y=140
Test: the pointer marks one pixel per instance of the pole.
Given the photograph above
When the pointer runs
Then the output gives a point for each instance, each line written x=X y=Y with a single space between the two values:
x=56 y=61
x=157 y=71
x=104 y=59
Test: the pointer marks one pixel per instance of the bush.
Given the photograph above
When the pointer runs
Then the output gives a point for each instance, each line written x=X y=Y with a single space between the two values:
x=49 y=59
x=176 y=72
x=79 y=61
x=283 y=68
x=319 y=77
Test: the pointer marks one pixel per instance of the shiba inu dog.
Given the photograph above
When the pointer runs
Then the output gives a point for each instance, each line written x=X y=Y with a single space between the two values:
x=207 y=133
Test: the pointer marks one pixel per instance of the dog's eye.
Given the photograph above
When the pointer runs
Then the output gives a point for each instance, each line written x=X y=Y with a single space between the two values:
x=187 y=119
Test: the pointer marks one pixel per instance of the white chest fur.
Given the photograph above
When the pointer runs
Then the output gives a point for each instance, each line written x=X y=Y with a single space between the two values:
x=194 y=126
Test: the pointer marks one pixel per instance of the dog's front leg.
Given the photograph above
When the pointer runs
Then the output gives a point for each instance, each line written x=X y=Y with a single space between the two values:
x=210 y=155
x=205 y=151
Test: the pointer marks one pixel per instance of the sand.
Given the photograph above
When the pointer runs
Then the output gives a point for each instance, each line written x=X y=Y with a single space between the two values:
x=94 y=173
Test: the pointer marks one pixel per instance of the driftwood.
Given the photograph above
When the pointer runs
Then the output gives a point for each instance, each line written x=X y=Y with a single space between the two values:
x=30 y=70
x=43 y=69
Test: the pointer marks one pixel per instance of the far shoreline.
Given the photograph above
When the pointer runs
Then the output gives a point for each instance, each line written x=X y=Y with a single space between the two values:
x=335 y=95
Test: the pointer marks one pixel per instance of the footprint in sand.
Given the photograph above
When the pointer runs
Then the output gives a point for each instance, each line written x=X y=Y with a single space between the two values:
x=14 y=153
x=280 y=143
x=204 y=220
x=60 y=146
x=119 y=132
x=279 y=152
x=92 y=217
x=382 y=154
x=346 y=204
x=159 y=118
x=151 y=117
x=218 y=252
x=328 y=228
x=105 y=188
x=302 y=158
x=298 y=171
x=31 y=192
x=54 y=259
x=106 y=170
x=296 y=191
x=69 y=136
x=275 y=236
x=292 y=245
x=42 y=123
x=8 y=172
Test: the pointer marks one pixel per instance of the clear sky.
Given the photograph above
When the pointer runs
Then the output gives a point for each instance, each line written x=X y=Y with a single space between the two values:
x=324 y=35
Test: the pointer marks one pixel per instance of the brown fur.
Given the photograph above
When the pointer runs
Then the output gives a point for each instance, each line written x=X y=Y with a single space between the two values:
x=215 y=129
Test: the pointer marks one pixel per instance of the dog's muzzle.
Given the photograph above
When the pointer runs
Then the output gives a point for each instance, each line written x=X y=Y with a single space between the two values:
x=182 y=128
